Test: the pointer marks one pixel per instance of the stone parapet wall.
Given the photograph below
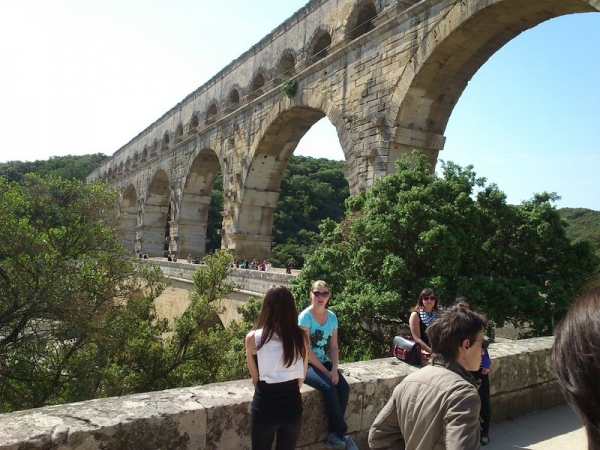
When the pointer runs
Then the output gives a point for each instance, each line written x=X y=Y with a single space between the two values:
x=217 y=416
x=251 y=282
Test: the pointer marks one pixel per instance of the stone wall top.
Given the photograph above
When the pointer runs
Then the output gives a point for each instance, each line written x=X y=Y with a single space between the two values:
x=251 y=282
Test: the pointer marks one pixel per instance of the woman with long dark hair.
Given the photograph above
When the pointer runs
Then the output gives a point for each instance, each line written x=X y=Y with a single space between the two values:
x=423 y=315
x=276 y=354
x=576 y=361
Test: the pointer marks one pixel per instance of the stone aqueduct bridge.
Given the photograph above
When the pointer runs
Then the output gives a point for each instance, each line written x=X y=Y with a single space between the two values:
x=386 y=73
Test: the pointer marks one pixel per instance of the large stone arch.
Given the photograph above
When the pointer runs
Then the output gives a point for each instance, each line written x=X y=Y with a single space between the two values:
x=193 y=211
x=447 y=56
x=155 y=214
x=128 y=218
x=387 y=91
x=250 y=233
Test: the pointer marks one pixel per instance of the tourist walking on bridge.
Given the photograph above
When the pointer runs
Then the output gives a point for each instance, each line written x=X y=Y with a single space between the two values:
x=276 y=354
x=321 y=325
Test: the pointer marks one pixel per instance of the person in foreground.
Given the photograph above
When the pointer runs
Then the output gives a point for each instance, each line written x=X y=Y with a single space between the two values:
x=321 y=326
x=276 y=354
x=437 y=407
x=576 y=361
x=483 y=377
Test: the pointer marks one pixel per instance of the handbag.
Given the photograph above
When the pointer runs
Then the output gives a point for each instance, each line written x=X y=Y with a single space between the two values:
x=406 y=349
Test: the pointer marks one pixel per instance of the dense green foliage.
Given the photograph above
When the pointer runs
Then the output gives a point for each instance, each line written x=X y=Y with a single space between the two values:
x=584 y=224
x=77 y=167
x=451 y=232
x=311 y=191
x=77 y=319
x=215 y=218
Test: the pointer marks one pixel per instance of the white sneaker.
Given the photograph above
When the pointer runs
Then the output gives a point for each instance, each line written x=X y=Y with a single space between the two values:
x=334 y=441
x=350 y=444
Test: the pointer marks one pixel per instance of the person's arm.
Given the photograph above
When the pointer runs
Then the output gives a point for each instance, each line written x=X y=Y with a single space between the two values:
x=415 y=330
x=312 y=358
x=305 y=360
x=462 y=422
x=334 y=354
x=250 y=353
x=486 y=362
x=385 y=433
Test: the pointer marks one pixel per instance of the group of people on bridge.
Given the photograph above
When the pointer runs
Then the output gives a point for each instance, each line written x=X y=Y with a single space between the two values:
x=444 y=405
x=435 y=407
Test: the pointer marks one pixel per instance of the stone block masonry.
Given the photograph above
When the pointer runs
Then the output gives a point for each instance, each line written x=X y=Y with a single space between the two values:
x=217 y=416
x=386 y=73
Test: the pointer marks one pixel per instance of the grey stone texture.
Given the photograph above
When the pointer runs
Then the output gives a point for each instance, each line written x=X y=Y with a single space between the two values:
x=386 y=73
x=216 y=416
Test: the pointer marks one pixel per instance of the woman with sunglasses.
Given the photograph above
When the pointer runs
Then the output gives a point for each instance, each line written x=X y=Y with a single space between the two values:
x=321 y=326
x=276 y=354
x=422 y=315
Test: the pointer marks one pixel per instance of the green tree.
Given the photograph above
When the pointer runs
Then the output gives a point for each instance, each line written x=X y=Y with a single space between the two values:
x=77 y=319
x=452 y=232
x=311 y=191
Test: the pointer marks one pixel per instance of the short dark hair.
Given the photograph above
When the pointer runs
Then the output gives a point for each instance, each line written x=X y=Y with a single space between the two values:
x=576 y=360
x=455 y=325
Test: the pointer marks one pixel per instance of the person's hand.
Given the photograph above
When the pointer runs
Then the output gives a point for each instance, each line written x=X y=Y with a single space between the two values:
x=335 y=376
x=485 y=371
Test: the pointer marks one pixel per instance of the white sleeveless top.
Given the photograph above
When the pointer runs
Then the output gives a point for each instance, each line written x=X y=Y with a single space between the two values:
x=271 y=368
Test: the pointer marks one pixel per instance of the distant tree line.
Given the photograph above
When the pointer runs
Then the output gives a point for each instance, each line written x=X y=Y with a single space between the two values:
x=584 y=224
x=67 y=167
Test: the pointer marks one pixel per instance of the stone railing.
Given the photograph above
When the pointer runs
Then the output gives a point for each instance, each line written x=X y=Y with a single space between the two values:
x=217 y=416
x=251 y=282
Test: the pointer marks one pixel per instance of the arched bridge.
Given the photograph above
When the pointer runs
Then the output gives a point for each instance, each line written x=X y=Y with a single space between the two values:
x=386 y=73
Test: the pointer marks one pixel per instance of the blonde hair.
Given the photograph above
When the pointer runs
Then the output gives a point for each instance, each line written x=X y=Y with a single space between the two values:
x=320 y=283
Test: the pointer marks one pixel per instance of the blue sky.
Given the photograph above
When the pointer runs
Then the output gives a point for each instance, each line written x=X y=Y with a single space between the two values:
x=83 y=77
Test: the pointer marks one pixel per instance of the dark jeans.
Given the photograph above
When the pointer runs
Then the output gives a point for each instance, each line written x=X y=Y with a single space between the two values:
x=484 y=395
x=263 y=434
x=335 y=396
x=276 y=410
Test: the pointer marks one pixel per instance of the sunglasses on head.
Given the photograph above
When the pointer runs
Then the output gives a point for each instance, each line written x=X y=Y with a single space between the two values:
x=428 y=297
x=320 y=294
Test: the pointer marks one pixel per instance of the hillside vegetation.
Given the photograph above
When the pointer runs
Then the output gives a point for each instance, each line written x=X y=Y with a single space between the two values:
x=67 y=167
x=584 y=224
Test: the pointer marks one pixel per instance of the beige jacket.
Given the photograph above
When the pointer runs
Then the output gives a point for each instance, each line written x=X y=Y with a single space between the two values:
x=436 y=407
